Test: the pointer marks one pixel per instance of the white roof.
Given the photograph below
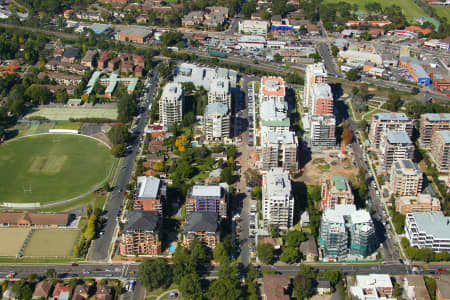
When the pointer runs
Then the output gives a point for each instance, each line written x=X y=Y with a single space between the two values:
x=278 y=183
x=172 y=91
x=148 y=187
x=206 y=191
x=373 y=280
x=220 y=85
x=337 y=214
x=251 y=39
x=360 y=216
x=273 y=110
x=321 y=90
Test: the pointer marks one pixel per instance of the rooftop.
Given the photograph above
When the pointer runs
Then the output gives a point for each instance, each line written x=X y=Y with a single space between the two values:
x=148 y=187
x=407 y=167
x=273 y=110
x=217 y=108
x=340 y=182
x=273 y=86
x=398 y=137
x=433 y=223
x=276 y=286
x=278 y=183
x=172 y=91
x=142 y=220
x=99 y=28
x=374 y=280
x=136 y=31
x=317 y=69
x=251 y=39
x=220 y=85
x=322 y=90
x=437 y=117
x=445 y=135
x=391 y=117
x=337 y=214
x=284 y=138
x=203 y=76
x=203 y=190
x=201 y=222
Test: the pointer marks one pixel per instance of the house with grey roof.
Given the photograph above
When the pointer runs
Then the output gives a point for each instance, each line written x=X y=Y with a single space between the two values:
x=202 y=226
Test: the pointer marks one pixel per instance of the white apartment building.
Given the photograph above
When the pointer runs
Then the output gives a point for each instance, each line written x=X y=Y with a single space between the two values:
x=395 y=145
x=277 y=199
x=406 y=178
x=171 y=104
x=217 y=122
x=384 y=121
x=315 y=73
x=258 y=27
x=322 y=131
x=279 y=150
x=273 y=116
x=373 y=287
x=428 y=230
x=220 y=91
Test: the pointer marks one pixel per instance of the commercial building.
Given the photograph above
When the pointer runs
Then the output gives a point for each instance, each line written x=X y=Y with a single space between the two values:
x=373 y=287
x=395 y=145
x=277 y=199
x=216 y=122
x=419 y=203
x=428 y=230
x=384 y=121
x=430 y=123
x=346 y=234
x=322 y=99
x=151 y=195
x=171 y=104
x=134 y=34
x=202 y=226
x=257 y=27
x=336 y=191
x=279 y=150
x=140 y=234
x=415 y=69
x=208 y=198
x=440 y=150
x=360 y=57
x=252 y=42
x=272 y=88
x=220 y=91
x=322 y=131
x=315 y=74
x=406 y=178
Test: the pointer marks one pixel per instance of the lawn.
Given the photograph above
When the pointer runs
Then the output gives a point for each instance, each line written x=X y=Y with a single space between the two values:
x=52 y=242
x=68 y=125
x=443 y=11
x=12 y=240
x=52 y=167
x=63 y=114
x=410 y=9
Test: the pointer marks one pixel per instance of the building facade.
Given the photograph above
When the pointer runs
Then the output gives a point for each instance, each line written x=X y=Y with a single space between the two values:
x=430 y=123
x=384 y=121
x=140 y=234
x=203 y=227
x=419 y=203
x=258 y=27
x=208 y=198
x=315 y=73
x=406 y=178
x=171 y=104
x=428 y=230
x=440 y=150
x=394 y=146
x=220 y=91
x=336 y=191
x=280 y=150
x=373 y=287
x=322 y=99
x=151 y=195
x=216 y=121
x=277 y=199
x=322 y=131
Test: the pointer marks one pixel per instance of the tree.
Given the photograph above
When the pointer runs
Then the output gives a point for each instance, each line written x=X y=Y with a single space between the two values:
x=88 y=210
x=334 y=50
x=33 y=277
x=363 y=124
x=365 y=35
x=303 y=287
x=352 y=75
x=347 y=135
x=190 y=286
x=38 y=94
x=265 y=253
x=61 y=96
x=155 y=273
x=50 y=274
x=290 y=255
x=222 y=251
x=415 y=90
x=334 y=276
x=257 y=193
x=224 y=289
x=393 y=103
x=171 y=38
x=252 y=177
x=118 y=134
x=127 y=107
x=226 y=175
x=294 y=238
x=118 y=150
x=278 y=58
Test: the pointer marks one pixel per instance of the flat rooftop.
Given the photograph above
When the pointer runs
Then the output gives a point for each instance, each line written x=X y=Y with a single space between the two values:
x=391 y=117
x=322 y=90
x=172 y=91
x=273 y=86
x=148 y=187
x=398 y=137
x=201 y=190
x=433 y=223
x=437 y=117
x=445 y=135
x=278 y=183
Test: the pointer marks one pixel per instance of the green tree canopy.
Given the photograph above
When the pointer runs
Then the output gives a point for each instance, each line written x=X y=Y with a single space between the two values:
x=265 y=253
x=294 y=238
x=154 y=273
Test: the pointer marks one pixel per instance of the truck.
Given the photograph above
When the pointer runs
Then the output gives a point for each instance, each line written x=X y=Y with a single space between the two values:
x=217 y=54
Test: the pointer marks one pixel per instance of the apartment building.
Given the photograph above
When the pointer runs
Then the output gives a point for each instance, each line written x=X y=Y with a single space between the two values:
x=373 y=287
x=220 y=91
x=336 y=191
x=428 y=230
x=430 y=123
x=272 y=88
x=273 y=117
x=277 y=199
x=202 y=226
x=216 y=123
x=322 y=131
x=151 y=195
x=322 y=99
x=406 y=178
x=314 y=74
x=346 y=233
x=440 y=150
x=171 y=104
x=419 y=203
x=140 y=234
x=280 y=150
x=208 y=198
x=388 y=121
x=395 y=145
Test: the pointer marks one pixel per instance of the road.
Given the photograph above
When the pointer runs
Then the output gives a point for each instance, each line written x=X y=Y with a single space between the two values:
x=324 y=52
x=101 y=246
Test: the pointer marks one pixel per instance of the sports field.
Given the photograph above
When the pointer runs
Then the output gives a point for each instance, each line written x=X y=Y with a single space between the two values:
x=62 y=114
x=410 y=9
x=51 y=167
x=52 y=242
x=12 y=240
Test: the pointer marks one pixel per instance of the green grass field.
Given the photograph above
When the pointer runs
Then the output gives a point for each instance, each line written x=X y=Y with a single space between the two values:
x=62 y=114
x=443 y=11
x=12 y=240
x=51 y=167
x=68 y=125
x=410 y=9
x=52 y=242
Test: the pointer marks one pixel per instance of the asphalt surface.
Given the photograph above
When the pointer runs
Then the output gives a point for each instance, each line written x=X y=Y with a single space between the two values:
x=102 y=244
x=325 y=53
